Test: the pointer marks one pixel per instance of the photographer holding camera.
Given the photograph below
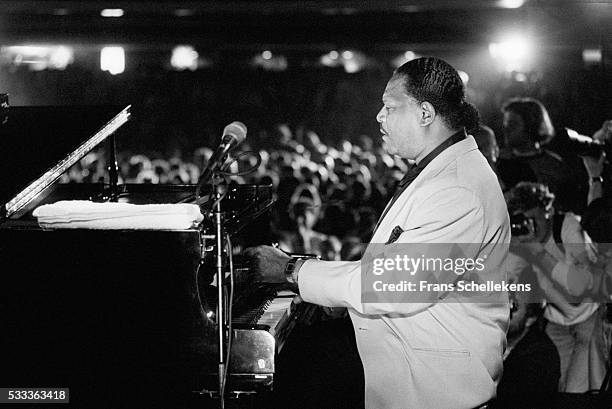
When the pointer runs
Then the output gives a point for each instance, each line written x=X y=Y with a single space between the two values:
x=559 y=253
x=534 y=151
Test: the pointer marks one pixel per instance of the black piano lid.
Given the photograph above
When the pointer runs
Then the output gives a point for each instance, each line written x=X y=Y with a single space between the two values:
x=39 y=143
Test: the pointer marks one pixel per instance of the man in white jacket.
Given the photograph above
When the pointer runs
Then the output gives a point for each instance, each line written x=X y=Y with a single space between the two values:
x=431 y=353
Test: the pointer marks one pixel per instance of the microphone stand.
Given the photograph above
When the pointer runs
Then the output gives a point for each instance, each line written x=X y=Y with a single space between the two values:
x=221 y=321
x=218 y=191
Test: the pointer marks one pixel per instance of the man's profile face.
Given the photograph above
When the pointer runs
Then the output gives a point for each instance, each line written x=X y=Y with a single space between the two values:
x=399 y=121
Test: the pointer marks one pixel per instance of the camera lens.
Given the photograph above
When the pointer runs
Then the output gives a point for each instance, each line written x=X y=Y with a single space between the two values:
x=519 y=224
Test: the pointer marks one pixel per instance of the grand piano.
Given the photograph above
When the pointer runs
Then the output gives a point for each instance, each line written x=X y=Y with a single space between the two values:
x=124 y=318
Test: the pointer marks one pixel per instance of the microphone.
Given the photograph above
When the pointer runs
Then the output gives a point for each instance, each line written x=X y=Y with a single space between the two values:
x=233 y=135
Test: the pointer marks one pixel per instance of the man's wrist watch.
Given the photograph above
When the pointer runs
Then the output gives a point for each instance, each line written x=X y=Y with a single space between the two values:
x=290 y=269
x=596 y=179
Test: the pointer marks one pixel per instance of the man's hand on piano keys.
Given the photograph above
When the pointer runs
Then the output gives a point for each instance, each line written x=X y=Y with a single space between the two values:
x=268 y=264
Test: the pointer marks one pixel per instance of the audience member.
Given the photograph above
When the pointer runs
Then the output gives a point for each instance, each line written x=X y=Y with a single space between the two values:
x=527 y=133
x=557 y=250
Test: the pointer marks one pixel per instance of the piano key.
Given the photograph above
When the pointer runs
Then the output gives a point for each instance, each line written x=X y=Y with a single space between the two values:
x=276 y=309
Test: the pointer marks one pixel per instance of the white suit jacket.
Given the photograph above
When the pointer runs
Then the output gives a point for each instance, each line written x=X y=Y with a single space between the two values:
x=440 y=355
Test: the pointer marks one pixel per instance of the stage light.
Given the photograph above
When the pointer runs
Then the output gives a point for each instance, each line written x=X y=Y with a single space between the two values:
x=513 y=53
x=60 y=57
x=111 y=13
x=184 y=57
x=331 y=59
x=38 y=57
x=511 y=4
x=351 y=66
x=520 y=77
x=592 y=56
x=403 y=58
x=515 y=48
x=409 y=55
x=28 y=51
x=112 y=59
x=270 y=62
x=353 y=61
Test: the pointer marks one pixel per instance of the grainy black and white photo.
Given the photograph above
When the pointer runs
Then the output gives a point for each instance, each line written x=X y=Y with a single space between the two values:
x=317 y=204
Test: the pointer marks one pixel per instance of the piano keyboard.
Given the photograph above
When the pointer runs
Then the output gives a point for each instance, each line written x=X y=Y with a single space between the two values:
x=262 y=321
x=270 y=311
x=275 y=313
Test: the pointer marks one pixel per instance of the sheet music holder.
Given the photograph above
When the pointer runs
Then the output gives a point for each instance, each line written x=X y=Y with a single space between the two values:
x=35 y=141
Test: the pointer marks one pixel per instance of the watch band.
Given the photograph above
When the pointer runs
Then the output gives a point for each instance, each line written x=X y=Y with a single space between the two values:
x=596 y=179
x=293 y=265
x=290 y=268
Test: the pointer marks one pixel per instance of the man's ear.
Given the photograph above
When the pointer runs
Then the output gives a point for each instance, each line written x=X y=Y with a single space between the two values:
x=428 y=113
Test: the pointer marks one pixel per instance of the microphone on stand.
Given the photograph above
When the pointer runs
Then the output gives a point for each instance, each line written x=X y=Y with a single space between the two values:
x=233 y=135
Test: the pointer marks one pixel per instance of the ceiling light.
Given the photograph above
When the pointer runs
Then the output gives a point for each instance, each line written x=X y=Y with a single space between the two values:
x=184 y=57
x=112 y=13
x=511 y=4
x=112 y=59
x=512 y=53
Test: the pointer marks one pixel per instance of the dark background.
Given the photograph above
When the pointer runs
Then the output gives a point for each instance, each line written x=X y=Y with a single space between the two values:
x=183 y=110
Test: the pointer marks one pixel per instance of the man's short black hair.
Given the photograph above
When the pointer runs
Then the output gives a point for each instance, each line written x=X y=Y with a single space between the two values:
x=437 y=82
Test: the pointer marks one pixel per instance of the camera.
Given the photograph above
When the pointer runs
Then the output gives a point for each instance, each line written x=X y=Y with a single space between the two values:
x=520 y=224
x=587 y=146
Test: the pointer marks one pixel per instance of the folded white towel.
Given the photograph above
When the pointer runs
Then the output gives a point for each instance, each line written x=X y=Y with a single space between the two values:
x=82 y=214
